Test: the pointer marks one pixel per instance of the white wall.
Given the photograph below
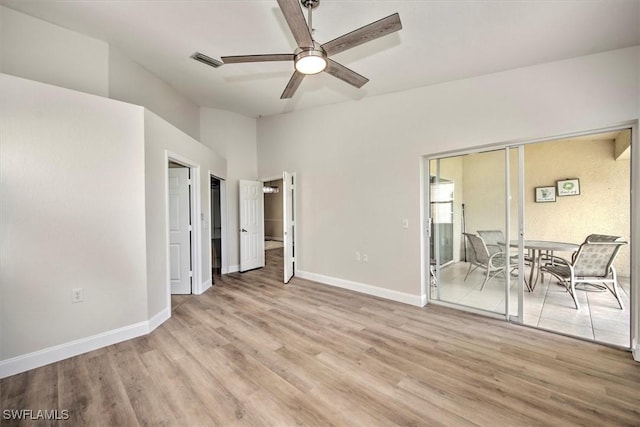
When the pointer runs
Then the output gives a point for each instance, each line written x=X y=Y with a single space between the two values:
x=160 y=137
x=37 y=50
x=130 y=82
x=73 y=216
x=233 y=136
x=44 y=52
x=359 y=173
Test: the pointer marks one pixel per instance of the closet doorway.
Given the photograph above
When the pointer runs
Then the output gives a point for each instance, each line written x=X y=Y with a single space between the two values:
x=216 y=228
x=273 y=221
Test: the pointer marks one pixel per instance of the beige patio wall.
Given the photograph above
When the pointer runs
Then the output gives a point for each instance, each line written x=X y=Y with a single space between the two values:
x=603 y=205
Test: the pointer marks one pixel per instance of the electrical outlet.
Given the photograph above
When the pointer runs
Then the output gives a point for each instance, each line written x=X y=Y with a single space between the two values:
x=405 y=223
x=365 y=258
x=77 y=295
x=357 y=256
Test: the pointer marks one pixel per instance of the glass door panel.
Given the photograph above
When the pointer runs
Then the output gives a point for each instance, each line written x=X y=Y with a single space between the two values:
x=467 y=195
x=559 y=219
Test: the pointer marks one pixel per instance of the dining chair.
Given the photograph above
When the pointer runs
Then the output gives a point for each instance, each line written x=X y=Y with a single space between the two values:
x=591 y=265
x=493 y=264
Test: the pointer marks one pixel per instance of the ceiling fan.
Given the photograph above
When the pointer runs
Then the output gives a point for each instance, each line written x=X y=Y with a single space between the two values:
x=311 y=57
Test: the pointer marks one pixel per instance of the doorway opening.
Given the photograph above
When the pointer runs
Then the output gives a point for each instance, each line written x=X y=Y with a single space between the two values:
x=273 y=221
x=277 y=220
x=216 y=229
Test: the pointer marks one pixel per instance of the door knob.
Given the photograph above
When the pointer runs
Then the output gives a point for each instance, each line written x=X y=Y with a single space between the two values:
x=243 y=230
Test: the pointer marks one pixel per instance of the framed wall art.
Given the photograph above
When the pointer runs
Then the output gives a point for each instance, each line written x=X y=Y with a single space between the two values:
x=545 y=194
x=569 y=187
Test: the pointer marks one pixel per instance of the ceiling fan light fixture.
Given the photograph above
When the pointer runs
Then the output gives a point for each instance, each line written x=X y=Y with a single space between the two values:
x=311 y=61
x=310 y=57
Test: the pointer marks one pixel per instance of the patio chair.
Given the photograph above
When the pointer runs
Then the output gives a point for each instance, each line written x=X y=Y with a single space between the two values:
x=491 y=239
x=591 y=265
x=495 y=241
x=432 y=273
x=493 y=264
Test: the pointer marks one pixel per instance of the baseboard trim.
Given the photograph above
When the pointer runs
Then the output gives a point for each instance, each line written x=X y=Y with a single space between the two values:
x=59 y=352
x=158 y=319
x=233 y=268
x=635 y=351
x=203 y=287
x=415 y=300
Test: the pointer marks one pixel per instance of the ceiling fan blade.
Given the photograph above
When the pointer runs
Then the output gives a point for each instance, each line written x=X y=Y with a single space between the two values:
x=377 y=29
x=292 y=12
x=257 y=58
x=345 y=74
x=292 y=86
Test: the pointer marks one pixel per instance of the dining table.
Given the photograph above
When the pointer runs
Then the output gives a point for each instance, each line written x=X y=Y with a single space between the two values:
x=536 y=248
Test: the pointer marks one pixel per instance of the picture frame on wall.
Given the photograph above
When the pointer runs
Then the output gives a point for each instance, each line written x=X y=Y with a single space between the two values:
x=568 y=187
x=545 y=194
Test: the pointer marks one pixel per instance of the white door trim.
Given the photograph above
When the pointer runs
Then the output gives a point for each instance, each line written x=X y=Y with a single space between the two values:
x=224 y=243
x=289 y=218
x=196 y=224
x=635 y=241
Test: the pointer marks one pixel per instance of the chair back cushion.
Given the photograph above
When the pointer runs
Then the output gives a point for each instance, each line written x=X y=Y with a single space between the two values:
x=479 y=248
x=596 y=255
x=491 y=237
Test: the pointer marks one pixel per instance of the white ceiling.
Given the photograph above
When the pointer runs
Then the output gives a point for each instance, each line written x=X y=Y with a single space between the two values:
x=440 y=41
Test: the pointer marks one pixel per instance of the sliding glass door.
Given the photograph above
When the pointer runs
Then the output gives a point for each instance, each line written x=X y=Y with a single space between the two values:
x=469 y=231
x=497 y=219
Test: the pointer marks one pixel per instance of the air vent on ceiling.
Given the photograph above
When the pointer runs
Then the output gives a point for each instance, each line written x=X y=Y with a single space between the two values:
x=201 y=57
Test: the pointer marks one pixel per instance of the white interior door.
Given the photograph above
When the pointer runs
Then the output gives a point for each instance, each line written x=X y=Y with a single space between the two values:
x=288 y=219
x=179 y=231
x=251 y=225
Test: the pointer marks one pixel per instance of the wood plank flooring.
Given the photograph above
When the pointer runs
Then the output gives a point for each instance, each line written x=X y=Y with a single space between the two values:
x=254 y=352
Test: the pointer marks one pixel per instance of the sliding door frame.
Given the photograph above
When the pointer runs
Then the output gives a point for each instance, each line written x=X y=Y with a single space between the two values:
x=426 y=230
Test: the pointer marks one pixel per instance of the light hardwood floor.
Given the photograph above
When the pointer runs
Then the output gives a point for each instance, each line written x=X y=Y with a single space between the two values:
x=254 y=352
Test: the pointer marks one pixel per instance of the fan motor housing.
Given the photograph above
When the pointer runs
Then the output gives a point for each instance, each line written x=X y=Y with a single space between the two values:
x=310 y=3
x=316 y=51
x=316 y=48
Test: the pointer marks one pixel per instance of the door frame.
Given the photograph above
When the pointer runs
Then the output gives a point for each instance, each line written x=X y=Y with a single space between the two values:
x=290 y=184
x=425 y=229
x=224 y=268
x=197 y=287
x=295 y=214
